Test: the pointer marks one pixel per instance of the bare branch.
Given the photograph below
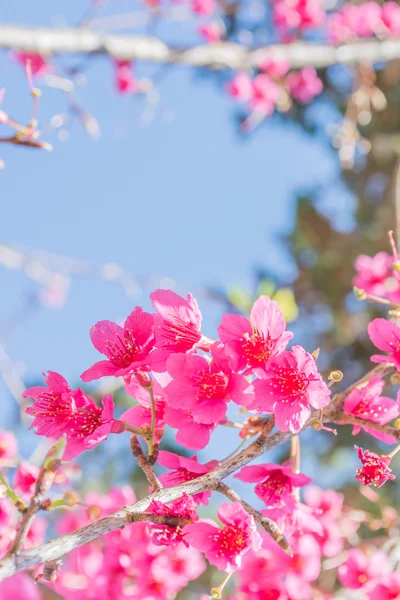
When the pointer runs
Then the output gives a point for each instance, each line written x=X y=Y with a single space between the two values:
x=49 y=41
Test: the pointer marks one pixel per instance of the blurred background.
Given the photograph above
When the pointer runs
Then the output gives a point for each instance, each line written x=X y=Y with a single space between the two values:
x=168 y=191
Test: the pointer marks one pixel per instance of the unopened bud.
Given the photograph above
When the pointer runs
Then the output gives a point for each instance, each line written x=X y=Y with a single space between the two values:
x=335 y=376
x=93 y=512
x=70 y=499
x=359 y=294
x=395 y=379
x=315 y=354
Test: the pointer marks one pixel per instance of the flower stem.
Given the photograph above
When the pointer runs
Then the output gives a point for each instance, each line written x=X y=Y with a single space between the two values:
x=393 y=452
x=216 y=593
x=134 y=430
x=153 y=421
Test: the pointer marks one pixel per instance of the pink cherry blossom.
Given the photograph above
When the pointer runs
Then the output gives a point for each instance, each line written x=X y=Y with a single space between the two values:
x=204 y=388
x=191 y=434
x=251 y=343
x=164 y=535
x=326 y=506
x=38 y=63
x=25 y=478
x=20 y=587
x=360 y=570
x=59 y=410
x=387 y=589
x=275 y=68
x=304 y=85
x=302 y=14
x=184 y=469
x=385 y=335
x=375 y=469
x=211 y=32
x=203 y=7
x=372 y=273
x=265 y=95
x=240 y=87
x=177 y=326
x=391 y=18
x=275 y=483
x=126 y=348
x=125 y=81
x=367 y=403
x=8 y=448
x=225 y=547
x=289 y=386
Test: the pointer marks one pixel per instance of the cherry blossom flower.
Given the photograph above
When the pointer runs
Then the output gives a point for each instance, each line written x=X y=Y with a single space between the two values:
x=8 y=448
x=25 y=478
x=388 y=588
x=372 y=273
x=375 y=469
x=205 y=388
x=289 y=386
x=191 y=435
x=59 y=410
x=38 y=63
x=391 y=18
x=20 y=587
x=305 y=84
x=164 y=535
x=225 y=547
x=125 y=81
x=184 y=469
x=211 y=32
x=275 y=483
x=302 y=14
x=385 y=335
x=326 y=506
x=360 y=570
x=240 y=87
x=126 y=348
x=252 y=343
x=265 y=95
x=367 y=403
x=275 y=68
x=177 y=327
x=203 y=7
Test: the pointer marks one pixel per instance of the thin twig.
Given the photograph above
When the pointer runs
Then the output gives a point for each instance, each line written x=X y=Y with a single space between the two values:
x=144 y=464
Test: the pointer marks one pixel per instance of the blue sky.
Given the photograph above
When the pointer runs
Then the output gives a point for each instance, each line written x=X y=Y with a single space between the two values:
x=183 y=197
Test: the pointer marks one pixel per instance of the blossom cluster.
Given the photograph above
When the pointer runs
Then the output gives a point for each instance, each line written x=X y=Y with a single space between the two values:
x=181 y=378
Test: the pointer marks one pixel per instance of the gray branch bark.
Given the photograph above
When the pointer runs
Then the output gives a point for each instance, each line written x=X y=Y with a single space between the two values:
x=48 y=41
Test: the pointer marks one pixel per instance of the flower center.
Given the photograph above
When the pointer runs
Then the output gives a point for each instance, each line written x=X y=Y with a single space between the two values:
x=231 y=540
x=122 y=351
x=257 y=349
x=209 y=385
x=274 y=488
x=178 y=334
x=85 y=421
x=289 y=383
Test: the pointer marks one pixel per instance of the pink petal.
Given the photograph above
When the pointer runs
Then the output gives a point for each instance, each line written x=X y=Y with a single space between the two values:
x=103 y=368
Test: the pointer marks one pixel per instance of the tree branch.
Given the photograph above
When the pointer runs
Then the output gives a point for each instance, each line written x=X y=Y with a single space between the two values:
x=49 y=41
x=59 y=547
